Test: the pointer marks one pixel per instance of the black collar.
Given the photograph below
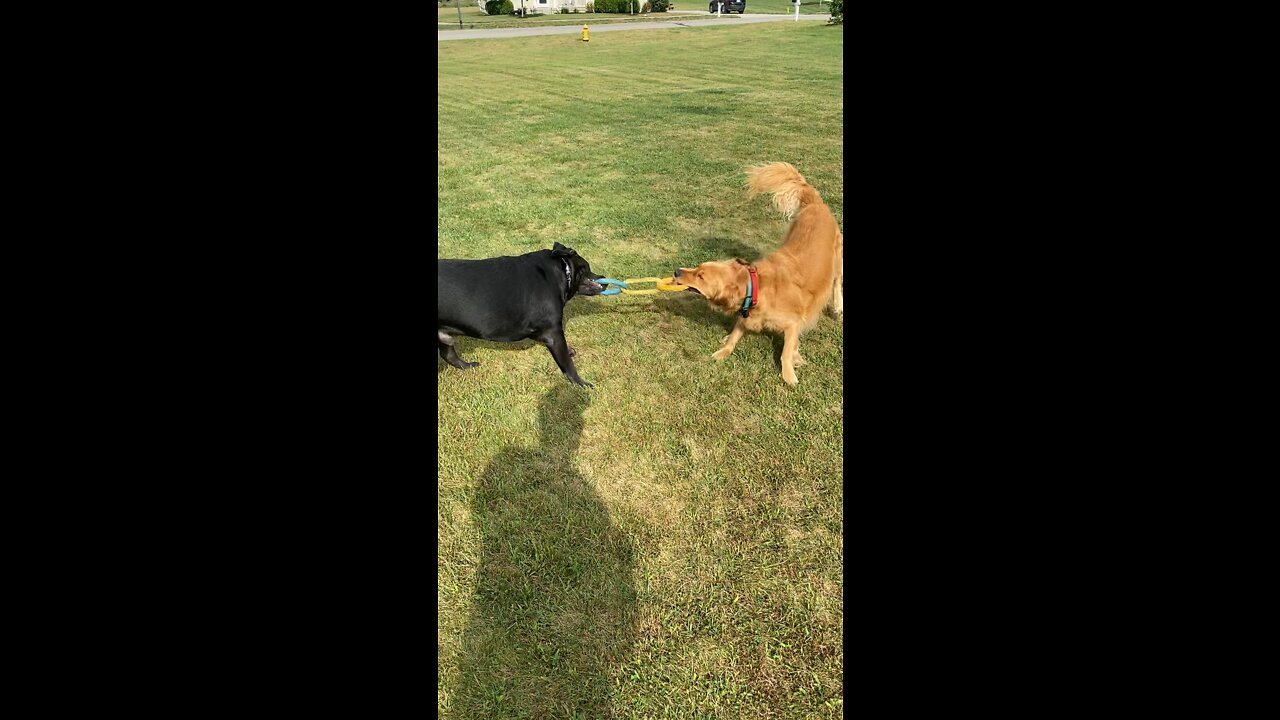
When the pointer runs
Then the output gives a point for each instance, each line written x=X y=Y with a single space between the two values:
x=753 y=292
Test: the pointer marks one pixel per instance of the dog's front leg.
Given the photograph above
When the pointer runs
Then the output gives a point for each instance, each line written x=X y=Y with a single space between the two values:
x=790 y=349
x=730 y=341
x=559 y=348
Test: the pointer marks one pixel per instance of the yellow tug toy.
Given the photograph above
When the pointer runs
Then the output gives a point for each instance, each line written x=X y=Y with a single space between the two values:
x=667 y=284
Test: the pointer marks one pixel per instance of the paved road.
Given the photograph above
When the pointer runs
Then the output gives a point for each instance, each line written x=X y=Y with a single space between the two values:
x=577 y=29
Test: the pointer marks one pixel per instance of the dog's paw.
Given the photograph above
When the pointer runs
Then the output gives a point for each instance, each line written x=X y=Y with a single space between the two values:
x=790 y=377
x=721 y=354
x=798 y=359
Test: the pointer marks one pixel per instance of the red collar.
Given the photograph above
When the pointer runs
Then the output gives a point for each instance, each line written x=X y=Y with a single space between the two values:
x=753 y=292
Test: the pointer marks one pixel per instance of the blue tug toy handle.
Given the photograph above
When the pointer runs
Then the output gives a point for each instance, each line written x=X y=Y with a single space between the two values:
x=618 y=285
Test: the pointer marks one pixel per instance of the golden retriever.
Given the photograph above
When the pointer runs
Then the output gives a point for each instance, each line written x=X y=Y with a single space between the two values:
x=792 y=285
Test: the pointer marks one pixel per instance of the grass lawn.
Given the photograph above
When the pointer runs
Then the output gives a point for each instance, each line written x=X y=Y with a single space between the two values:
x=669 y=543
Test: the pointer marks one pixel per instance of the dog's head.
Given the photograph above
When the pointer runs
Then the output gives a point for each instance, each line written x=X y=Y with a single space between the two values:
x=582 y=279
x=722 y=282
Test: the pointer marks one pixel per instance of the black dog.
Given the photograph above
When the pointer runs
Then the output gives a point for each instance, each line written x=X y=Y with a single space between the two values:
x=508 y=299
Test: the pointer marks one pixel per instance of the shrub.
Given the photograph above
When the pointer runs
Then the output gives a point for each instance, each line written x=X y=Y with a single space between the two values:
x=564 y=11
x=591 y=7
x=661 y=5
x=499 y=7
x=614 y=6
x=837 y=12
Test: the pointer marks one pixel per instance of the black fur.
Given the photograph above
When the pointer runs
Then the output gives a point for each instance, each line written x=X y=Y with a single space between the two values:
x=508 y=299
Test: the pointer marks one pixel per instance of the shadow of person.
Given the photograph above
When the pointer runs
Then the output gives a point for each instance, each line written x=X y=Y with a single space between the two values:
x=554 y=601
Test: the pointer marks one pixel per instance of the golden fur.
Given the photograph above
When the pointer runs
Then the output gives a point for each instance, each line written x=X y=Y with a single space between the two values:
x=796 y=282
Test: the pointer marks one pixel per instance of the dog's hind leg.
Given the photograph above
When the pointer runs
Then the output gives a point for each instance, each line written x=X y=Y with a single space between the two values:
x=449 y=353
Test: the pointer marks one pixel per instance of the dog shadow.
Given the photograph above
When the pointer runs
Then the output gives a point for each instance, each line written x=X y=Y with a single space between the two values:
x=582 y=306
x=694 y=252
x=554 y=598
x=466 y=345
x=700 y=250
x=696 y=308
x=579 y=306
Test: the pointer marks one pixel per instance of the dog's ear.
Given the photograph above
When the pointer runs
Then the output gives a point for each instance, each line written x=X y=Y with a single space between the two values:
x=559 y=250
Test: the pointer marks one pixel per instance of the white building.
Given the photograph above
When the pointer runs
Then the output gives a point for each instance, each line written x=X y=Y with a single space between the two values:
x=545 y=6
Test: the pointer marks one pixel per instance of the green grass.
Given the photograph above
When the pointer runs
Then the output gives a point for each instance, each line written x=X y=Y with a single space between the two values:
x=669 y=543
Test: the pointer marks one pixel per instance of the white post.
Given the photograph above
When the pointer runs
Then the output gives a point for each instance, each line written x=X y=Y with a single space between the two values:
x=797 y=10
x=720 y=10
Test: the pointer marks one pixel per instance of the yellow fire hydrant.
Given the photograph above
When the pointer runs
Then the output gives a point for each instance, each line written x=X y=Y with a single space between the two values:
x=586 y=34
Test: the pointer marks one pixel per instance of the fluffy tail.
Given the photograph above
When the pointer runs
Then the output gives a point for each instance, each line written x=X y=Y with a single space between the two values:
x=791 y=191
